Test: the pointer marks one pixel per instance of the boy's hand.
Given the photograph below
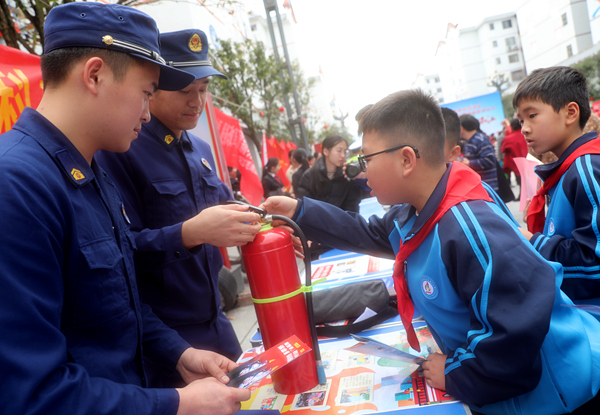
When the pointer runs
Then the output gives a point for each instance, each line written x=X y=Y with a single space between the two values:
x=433 y=370
x=464 y=161
x=526 y=209
x=280 y=205
x=526 y=233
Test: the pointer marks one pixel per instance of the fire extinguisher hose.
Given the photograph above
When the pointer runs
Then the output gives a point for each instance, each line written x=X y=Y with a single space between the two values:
x=309 y=302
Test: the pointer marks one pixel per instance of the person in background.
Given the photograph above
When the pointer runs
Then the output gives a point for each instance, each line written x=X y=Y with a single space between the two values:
x=300 y=158
x=513 y=145
x=593 y=124
x=326 y=181
x=175 y=202
x=311 y=160
x=293 y=167
x=452 y=127
x=272 y=184
x=74 y=332
x=510 y=340
x=478 y=151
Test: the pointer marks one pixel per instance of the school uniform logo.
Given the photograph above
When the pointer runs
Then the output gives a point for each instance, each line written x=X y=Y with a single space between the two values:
x=551 y=228
x=429 y=288
x=77 y=174
x=206 y=164
x=195 y=43
x=169 y=139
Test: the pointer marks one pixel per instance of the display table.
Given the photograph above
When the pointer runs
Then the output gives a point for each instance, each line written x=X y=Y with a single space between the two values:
x=358 y=383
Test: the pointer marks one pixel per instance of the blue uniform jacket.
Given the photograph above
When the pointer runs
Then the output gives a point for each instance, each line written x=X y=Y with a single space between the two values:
x=164 y=182
x=492 y=302
x=73 y=329
x=480 y=152
x=572 y=230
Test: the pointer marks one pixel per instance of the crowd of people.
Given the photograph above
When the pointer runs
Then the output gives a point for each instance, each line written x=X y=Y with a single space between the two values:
x=112 y=216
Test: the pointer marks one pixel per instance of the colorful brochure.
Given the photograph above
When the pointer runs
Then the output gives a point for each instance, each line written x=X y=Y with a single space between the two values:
x=372 y=347
x=266 y=363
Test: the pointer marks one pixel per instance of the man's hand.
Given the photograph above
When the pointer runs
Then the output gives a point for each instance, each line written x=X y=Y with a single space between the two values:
x=199 y=364
x=433 y=370
x=222 y=225
x=210 y=397
x=465 y=161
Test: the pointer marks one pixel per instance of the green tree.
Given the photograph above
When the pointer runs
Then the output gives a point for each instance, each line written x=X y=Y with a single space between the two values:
x=22 y=21
x=254 y=89
x=590 y=68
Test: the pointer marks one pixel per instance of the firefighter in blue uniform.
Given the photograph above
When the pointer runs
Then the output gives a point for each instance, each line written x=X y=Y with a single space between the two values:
x=73 y=328
x=172 y=196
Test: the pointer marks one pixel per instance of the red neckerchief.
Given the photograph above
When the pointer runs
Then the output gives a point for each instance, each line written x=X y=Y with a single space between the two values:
x=463 y=185
x=536 y=216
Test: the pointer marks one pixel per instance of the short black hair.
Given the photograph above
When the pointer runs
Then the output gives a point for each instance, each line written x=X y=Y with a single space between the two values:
x=410 y=117
x=556 y=86
x=361 y=113
x=469 y=123
x=515 y=124
x=57 y=64
x=452 y=123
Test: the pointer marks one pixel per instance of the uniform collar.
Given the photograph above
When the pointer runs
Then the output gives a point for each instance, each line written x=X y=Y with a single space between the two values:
x=57 y=145
x=165 y=136
x=545 y=170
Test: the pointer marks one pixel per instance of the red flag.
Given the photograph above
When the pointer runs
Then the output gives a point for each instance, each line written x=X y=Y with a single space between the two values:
x=238 y=155
x=20 y=84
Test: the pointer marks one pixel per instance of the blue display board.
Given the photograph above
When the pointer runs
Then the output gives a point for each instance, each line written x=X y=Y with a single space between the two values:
x=486 y=108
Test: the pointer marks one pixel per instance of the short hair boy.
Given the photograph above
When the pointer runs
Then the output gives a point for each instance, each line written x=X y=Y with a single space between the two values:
x=553 y=107
x=176 y=205
x=73 y=329
x=463 y=262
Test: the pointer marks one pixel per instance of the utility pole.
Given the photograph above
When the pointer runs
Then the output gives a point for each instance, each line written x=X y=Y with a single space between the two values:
x=294 y=118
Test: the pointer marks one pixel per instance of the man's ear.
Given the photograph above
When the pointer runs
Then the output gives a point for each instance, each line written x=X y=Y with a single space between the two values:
x=408 y=160
x=94 y=70
x=453 y=154
x=571 y=113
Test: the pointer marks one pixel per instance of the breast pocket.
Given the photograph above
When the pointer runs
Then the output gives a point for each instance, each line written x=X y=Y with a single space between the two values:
x=211 y=189
x=102 y=292
x=171 y=204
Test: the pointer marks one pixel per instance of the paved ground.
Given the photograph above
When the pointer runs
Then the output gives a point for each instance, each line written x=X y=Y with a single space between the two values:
x=243 y=317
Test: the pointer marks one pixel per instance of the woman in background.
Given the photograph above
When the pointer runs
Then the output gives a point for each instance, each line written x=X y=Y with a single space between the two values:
x=300 y=157
x=326 y=181
x=272 y=184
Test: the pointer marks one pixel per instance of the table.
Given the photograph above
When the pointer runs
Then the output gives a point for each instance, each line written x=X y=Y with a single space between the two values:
x=358 y=383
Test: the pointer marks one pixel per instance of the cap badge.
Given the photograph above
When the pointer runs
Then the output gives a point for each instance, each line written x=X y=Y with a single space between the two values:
x=168 y=139
x=77 y=175
x=107 y=39
x=206 y=164
x=195 y=43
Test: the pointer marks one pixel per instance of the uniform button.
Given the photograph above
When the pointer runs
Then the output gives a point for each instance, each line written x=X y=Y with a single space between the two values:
x=177 y=254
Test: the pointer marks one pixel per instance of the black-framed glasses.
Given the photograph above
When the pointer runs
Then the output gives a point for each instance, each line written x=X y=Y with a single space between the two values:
x=362 y=160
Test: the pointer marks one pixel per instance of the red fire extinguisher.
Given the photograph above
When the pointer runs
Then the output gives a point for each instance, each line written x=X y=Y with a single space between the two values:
x=280 y=305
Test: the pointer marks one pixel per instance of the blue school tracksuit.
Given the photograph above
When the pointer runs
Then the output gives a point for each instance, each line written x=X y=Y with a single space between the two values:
x=73 y=329
x=571 y=233
x=491 y=301
x=164 y=182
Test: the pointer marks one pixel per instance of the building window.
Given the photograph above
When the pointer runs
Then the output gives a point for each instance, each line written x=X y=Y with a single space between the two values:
x=253 y=28
x=517 y=75
x=491 y=26
x=569 y=51
x=495 y=43
x=564 y=19
x=437 y=79
x=441 y=100
x=428 y=80
x=511 y=44
x=506 y=24
x=498 y=61
x=513 y=58
x=439 y=90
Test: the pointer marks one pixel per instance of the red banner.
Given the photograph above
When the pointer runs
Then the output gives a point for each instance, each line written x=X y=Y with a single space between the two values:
x=20 y=84
x=238 y=155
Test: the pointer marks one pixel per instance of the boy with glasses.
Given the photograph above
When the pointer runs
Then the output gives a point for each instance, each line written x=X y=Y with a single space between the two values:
x=509 y=345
